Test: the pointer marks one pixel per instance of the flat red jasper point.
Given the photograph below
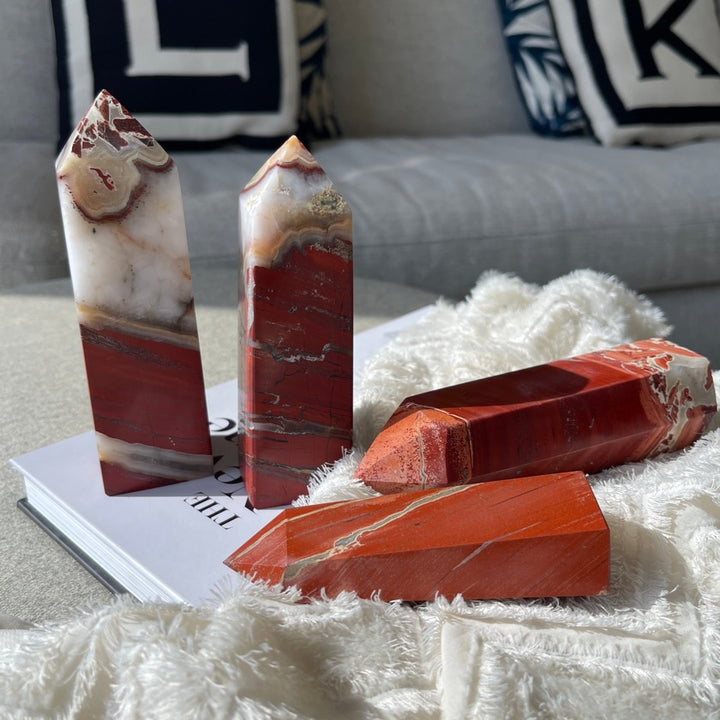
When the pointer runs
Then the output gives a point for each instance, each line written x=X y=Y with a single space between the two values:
x=529 y=537
x=589 y=412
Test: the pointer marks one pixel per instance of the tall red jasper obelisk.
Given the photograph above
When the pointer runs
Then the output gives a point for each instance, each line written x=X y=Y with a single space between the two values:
x=125 y=233
x=296 y=340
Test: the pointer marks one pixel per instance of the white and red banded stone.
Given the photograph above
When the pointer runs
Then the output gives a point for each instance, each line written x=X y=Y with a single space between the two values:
x=588 y=412
x=125 y=233
x=296 y=298
x=523 y=537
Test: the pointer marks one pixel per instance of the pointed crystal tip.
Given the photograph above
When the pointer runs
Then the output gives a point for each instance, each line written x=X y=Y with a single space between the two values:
x=292 y=153
x=102 y=160
x=108 y=127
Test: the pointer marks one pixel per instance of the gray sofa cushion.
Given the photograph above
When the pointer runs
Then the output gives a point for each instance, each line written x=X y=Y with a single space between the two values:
x=534 y=206
x=32 y=246
x=411 y=68
x=433 y=213
x=27 y=77
x=460 y=206
x=389 y=64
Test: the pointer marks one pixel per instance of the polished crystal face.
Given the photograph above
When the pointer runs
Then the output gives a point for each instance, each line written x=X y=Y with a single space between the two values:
x=124 y=223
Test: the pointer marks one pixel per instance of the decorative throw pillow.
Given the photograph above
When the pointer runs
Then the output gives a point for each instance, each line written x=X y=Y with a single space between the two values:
x=194 y=73
x=317 y=119
x=647 y=71
x=546 y=85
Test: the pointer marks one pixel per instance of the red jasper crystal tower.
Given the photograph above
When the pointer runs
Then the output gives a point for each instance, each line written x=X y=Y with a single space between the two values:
x=125 y=234
x=524 y=537
x=296 y=341
x=589 y=412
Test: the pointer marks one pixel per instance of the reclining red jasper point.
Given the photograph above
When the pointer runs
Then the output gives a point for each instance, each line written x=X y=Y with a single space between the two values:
x=589 y=412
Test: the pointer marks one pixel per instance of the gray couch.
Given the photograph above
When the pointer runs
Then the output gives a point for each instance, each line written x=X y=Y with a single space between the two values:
x=443 y=175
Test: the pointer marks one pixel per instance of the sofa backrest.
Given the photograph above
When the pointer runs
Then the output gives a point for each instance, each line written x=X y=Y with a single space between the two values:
x=421 y=67
x=28 y=95
x=410 y=67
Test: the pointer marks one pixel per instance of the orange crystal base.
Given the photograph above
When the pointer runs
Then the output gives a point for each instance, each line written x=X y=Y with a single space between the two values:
x=587 y=413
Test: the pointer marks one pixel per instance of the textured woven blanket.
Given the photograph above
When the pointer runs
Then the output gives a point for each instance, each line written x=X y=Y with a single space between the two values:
x=648 y=649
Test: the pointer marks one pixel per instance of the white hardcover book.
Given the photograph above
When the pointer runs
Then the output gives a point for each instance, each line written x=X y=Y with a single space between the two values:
x=166 y=543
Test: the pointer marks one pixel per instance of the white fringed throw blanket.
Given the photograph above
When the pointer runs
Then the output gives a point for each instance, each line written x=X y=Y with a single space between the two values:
x=649 y=649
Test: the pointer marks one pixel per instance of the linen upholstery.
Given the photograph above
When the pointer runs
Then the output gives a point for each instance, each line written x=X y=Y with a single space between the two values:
x=27 y=71
x=433 y=68
x=31 y=239
x=508 y=202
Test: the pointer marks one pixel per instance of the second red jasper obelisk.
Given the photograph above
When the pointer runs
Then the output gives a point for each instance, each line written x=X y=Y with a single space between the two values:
x=296 y=340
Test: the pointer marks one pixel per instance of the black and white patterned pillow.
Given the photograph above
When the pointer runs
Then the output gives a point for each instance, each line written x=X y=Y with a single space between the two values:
x=546 y=84
x=646 y=71
x=194 y=73
x=317 y=118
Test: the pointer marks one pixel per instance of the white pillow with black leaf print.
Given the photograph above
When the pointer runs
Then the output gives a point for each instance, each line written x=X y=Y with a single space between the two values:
x=545 y=82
